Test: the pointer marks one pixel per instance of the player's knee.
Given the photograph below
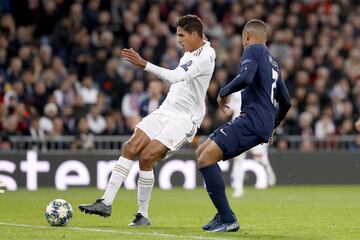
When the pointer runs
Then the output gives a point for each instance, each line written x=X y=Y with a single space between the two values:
x=198 y=152
x=129 y=150
x=201 y=161
x=146 y=160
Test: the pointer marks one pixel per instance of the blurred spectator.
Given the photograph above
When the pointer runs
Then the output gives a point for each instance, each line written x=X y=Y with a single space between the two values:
x=153 y=99
x=84 y=138
x=96 y=122
x=88 y=91
x=111 y=126
x=325 y=126
x=130 y=106
x=69 y=120
x=36 y=133
x=5 y=144
x=65 y=95
x=357 y=125
x=46 y=47
x=307 y=146
x=305 y=125
x=46 y=121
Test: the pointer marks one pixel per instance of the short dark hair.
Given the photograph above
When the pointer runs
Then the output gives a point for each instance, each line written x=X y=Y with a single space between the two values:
x=190 y=23
x=255 y=24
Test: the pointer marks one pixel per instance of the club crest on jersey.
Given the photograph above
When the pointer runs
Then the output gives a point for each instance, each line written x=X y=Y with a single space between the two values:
x=186 y=65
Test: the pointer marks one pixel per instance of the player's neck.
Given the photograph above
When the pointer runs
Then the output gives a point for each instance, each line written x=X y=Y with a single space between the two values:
x=257 y=41
x=197 y=46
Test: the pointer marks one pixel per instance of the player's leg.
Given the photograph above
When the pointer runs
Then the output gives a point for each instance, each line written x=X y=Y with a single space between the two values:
x=261 y=155
x=228 y=141
x=130 y=150
x=237 y=175
x=215 y=187
x=201 y=148
x=174 y=134
x=152 y=153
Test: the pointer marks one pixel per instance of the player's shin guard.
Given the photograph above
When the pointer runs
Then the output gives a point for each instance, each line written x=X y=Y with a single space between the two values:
x=145 y=185
x=118 y=176
x=215 y=187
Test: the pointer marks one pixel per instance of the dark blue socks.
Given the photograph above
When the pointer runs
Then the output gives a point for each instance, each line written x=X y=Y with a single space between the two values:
x=216 y=189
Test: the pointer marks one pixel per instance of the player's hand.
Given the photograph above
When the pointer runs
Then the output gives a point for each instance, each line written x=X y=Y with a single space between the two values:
x=223 y=103
x=271 y=139
x=2 y=186
x=132 y=56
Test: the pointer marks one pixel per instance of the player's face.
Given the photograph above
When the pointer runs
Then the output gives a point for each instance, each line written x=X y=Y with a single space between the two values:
x=186 y=40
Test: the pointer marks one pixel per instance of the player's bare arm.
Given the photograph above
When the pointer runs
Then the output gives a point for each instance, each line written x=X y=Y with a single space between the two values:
x=132 y=56
x=223 y=103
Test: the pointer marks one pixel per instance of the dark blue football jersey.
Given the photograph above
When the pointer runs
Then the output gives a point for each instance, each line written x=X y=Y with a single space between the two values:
x=265 y=98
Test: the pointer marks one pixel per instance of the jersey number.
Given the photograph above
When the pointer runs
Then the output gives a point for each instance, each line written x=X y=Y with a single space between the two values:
x=275 y=77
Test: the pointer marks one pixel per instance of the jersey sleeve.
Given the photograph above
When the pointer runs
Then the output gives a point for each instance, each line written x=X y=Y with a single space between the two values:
x=248 y=68
x=248 y=60
x=193 y=67
x=283 y=98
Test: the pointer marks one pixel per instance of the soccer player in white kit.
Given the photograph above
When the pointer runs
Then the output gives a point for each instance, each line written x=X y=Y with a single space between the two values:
x=168 y=128
x=259 y=152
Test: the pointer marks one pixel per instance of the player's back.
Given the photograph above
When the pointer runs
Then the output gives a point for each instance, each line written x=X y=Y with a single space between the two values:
x=259 y=97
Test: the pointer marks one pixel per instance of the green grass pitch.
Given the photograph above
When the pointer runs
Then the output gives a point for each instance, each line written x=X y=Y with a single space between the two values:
x=283 y=212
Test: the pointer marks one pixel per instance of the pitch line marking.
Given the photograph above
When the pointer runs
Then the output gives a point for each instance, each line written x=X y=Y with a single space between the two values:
x=110 y=231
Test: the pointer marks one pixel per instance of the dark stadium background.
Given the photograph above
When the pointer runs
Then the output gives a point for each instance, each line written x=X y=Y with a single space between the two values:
x=65 y=89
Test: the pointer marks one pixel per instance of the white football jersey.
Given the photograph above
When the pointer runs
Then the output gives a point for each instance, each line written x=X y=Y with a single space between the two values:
x=190 y=81
x=235 y=104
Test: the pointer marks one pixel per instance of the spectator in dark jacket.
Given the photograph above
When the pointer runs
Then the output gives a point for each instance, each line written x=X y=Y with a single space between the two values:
x=153 y=99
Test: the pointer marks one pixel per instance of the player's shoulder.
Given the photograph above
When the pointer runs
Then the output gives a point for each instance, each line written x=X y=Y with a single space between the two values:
x=205 y=50
x=256 y=48
x=205 y=54
x=274 y=62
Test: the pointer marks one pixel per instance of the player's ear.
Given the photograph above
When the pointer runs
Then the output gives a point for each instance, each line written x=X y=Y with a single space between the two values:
x=247 y=36
x=194 y=34
x=265 y=37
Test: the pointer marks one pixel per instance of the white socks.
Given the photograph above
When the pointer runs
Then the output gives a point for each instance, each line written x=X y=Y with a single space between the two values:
x=238 y=173
x=118 y=176
x=145 y=185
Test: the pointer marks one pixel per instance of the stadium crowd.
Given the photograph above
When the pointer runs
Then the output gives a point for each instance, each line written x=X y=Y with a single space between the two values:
x=61 y=70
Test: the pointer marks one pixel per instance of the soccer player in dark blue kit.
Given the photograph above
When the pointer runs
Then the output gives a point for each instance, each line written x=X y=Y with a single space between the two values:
x=265 y=104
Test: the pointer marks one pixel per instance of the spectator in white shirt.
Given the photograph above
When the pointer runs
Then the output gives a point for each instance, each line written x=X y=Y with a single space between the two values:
x=325 y=126
x=97 y=123
x=88 y=91
x=45 y=122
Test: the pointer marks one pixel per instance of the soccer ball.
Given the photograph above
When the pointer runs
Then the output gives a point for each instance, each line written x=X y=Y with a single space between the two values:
x=58 y=212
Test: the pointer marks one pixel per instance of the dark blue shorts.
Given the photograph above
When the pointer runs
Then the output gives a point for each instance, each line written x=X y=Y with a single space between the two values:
x=234 y=137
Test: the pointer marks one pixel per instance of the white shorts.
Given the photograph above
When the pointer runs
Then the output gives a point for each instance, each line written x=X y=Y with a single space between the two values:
x=260 y=149
x=171 y=130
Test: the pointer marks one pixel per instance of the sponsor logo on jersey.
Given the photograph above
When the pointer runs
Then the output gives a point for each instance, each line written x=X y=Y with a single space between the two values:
x=245 y=61
x=186 y=65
